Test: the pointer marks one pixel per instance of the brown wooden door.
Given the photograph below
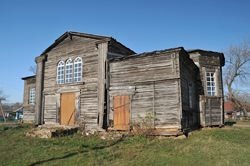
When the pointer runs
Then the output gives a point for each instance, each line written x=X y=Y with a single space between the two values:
x=121 y=112
x=67 y=109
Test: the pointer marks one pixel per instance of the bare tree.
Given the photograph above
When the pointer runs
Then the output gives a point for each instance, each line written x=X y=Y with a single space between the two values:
x=2 y=96
x=242 y=101
x=237 y=69
x=32 y=69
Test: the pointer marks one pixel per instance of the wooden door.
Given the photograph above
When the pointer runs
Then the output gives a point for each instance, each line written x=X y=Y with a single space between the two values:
x=67 y=109
x=121 y=112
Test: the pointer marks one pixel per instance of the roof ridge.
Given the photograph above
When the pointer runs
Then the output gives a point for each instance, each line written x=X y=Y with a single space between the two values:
x=72 y=33
x=150 y=53
x=161 y=51
x=87 y=34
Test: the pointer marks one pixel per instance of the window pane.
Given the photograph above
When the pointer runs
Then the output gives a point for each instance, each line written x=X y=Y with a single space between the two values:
x=69 y=71
x=32 y=94
x=78 y=69
x=60 y=72
x=210 y=84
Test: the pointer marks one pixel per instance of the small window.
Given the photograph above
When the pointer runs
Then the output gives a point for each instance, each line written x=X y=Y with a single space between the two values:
x=60 y=73
x=32 y=95
x=210 y=83
x=78 y=69
x=69 y=71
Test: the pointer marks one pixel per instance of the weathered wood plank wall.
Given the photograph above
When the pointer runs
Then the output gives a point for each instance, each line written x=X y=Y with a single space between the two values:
x=90 y=93
x=87 y=103
x=152 y=81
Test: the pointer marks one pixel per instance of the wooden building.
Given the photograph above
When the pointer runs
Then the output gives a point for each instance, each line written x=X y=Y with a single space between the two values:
x=71 y=79
x=96 y=81
x=29 y=99
x=162 y=84
x=211 y=95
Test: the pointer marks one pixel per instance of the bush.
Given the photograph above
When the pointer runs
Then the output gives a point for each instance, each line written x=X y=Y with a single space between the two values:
x=144 y=126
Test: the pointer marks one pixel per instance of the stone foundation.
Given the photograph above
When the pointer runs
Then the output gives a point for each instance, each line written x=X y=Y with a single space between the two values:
x=49 y=131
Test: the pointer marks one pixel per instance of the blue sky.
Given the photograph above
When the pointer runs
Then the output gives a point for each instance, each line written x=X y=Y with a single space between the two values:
x=27 y=27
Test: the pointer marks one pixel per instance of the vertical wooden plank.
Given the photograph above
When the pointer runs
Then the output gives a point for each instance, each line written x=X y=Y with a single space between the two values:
x=116 y=99
x=154 y=104
x=127 y=112
x=102 y=56
x=39 y=88
x=68 y=109
x=130 y=110
x=121 y=112
x=107 y=94
x=222 y=112
x=210 y=111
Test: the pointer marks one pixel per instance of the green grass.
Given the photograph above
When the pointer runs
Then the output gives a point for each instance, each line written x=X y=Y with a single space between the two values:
x=216 y=146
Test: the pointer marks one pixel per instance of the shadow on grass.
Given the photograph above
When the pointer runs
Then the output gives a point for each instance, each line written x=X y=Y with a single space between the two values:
x=55 y=158
x=83 y=149
x=229 y=123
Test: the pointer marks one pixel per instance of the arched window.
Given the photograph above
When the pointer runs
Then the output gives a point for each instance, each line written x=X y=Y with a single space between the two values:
x=78 y=69
x=60 y=72
x=69 y=71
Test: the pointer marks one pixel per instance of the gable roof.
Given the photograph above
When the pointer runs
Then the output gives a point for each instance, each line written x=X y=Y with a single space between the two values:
x=70 y=34
x=86 y=35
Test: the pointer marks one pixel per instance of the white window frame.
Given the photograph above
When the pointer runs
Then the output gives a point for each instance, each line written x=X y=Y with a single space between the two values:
x=210 y=84
x=60 y=72
x=32 y=96
x=69 y=71
x=78 y=69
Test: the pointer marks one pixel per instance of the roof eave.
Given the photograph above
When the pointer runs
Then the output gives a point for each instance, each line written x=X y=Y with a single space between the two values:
x=114 y=40
x=28 y=77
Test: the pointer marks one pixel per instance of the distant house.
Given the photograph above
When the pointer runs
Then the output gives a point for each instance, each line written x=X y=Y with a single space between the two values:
x=11 y=112
x=229 y=110
x=95 y=80
x=18 y=113
x=232 y=112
